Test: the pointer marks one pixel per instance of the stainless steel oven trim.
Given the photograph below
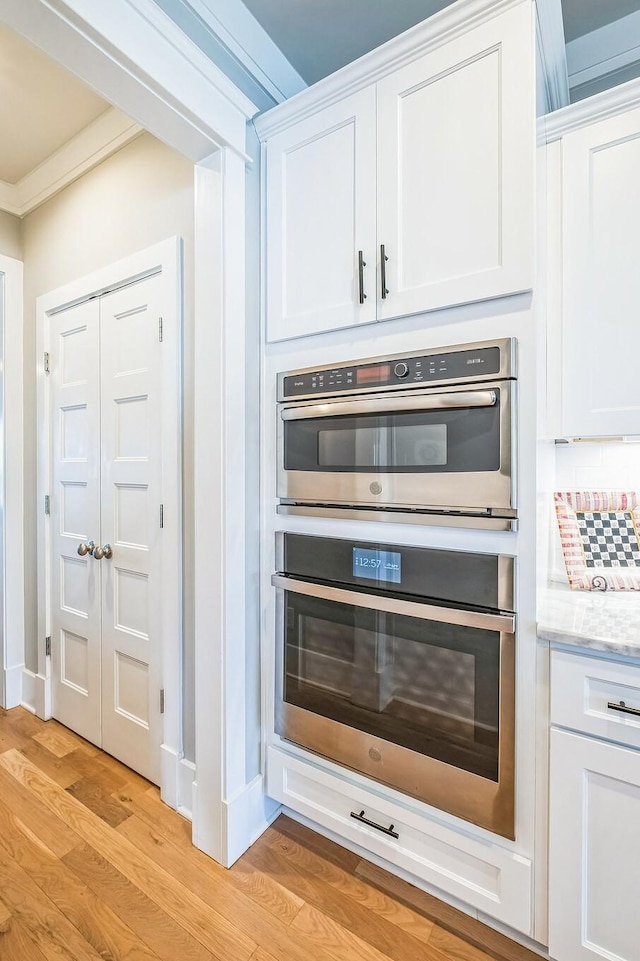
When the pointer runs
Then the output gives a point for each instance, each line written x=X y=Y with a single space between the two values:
x=506 y=582
x=438 y=400
x=391 y=605
x=488 y=804
x=506 y=345
x=438 y=517
x=493 y=491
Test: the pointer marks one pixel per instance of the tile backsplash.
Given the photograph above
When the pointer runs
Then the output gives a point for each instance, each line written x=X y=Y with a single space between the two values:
x=609 y=466
x=598 y=466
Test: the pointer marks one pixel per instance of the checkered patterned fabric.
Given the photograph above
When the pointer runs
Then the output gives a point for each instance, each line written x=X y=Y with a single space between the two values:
x=609 y=538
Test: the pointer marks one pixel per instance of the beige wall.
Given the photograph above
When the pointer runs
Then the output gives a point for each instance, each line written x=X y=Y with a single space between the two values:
x=10 y=236
x=139 y=196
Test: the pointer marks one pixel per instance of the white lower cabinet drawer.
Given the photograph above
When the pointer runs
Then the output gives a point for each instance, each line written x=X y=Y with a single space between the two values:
x=487 y=876
x=596 y=696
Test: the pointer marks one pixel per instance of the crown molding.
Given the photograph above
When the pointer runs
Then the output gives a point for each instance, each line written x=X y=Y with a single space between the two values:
x=7 y=199
x=550 y=36
x=454 y=21
x=601 y=106
x=97 y=141
x=226 y=29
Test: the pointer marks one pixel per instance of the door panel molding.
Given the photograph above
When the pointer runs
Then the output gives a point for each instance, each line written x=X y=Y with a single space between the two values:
x=163 y=260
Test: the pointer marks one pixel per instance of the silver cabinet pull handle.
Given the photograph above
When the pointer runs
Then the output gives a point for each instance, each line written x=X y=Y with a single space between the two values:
x=372 y=824
x=86 y=547
x=622 y=707
x=384 y=290
x=361 y=265
x=104 y=551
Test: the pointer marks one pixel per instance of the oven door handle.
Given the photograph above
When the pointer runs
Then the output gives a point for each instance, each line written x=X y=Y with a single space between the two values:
x=505 y=623
x=390 y=405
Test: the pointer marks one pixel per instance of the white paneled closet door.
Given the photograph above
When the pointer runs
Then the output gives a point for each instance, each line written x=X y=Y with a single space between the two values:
x=75 y=507
x=131 y=497
x=106 y=387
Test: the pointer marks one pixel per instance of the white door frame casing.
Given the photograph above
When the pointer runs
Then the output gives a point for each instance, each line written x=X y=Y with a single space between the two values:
x=11 y=484
x=165 y=259
x=140 y=61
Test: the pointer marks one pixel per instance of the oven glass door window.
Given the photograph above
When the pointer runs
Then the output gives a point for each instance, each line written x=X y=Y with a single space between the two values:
x=415 y=442
x=431 y=687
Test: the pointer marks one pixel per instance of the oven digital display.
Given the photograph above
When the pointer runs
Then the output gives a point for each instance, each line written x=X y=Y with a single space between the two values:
x=377 y=565
x=379 y=374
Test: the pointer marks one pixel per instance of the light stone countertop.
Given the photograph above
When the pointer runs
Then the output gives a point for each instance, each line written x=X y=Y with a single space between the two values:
x=606 y=621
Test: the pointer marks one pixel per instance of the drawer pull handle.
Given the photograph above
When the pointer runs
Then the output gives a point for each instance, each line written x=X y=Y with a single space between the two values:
x=378 y=827
x=622 y=707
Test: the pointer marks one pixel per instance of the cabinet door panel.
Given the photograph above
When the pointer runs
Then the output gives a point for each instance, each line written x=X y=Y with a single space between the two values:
x=320 y=213
x=601 y=290
x=594 y=865
x=455 y=170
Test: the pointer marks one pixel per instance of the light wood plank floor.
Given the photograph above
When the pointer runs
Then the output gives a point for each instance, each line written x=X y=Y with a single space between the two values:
x=93 y=867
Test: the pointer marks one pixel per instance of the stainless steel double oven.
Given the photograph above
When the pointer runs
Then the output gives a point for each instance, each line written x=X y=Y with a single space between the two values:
x=399 y=661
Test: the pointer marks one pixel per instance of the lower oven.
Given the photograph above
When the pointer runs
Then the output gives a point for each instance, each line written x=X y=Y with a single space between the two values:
x=399 y=663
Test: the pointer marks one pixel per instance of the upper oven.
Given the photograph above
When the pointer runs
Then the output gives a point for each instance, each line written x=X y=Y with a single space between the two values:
x=430 y=436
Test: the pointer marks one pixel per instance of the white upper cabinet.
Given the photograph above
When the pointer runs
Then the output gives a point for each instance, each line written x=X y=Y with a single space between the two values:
x=425 y=175
x=455 y=170
x=601 y=278
x=320 y=177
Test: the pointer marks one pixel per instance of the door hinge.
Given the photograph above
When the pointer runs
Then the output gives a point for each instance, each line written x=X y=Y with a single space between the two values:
x=160 y=329
x=47 y=504
x=47 y=646
x=161 y=516
x=46 y=362
x=162 y=700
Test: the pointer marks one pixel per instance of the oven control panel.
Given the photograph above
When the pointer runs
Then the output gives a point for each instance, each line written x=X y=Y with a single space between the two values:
x=468 y=364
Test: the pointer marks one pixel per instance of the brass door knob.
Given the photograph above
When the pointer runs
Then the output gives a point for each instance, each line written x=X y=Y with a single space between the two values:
x=86 y=547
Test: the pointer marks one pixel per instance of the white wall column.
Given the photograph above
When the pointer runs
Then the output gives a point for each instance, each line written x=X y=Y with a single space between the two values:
x=11 y=484
x=228 y=812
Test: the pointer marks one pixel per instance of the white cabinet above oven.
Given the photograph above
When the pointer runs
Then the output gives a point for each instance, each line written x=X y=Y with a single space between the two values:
x=404 y=183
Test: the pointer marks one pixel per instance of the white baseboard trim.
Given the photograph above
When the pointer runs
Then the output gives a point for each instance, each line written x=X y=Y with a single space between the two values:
x=186 y=780
x=243 y=819
x=11 y=691
x=169 y=760
x=36 y=694
x=177 y=775
x=246 y=817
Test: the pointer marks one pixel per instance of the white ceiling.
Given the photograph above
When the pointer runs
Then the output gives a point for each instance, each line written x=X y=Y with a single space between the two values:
x=42 y=107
